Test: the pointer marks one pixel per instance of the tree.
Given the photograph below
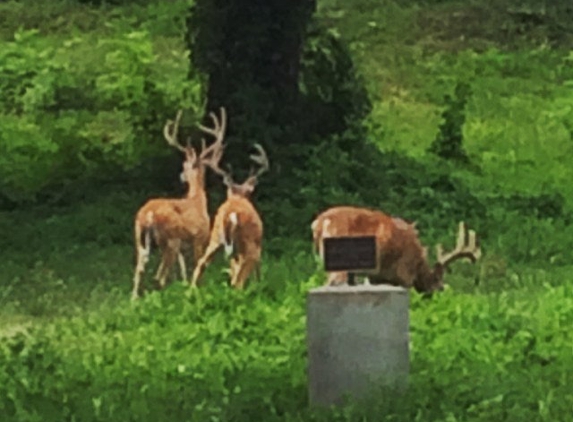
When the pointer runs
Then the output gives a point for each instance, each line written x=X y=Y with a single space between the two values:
x=449 y=141
x=289 y=83
x=249 y=51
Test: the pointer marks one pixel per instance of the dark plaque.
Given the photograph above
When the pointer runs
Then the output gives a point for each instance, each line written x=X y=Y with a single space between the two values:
x=349 y=253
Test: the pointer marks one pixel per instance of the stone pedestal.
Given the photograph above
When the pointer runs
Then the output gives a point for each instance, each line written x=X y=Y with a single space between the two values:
x=358 y=337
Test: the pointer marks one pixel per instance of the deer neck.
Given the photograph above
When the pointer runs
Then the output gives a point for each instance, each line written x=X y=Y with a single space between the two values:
x=196 y=186
x=244 y=191
x=424 y=278
x=196 y=191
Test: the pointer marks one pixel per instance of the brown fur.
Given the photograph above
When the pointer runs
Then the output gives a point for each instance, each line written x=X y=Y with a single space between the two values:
x=245 y=234
x=173 y=224
x=176 y=224
x=401 y=258
x=246 y=237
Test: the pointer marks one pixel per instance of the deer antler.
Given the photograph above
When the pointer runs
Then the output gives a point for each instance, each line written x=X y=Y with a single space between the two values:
x=170 y=132
x=211 y=155
x=261 y=159
x=218 y=131
x=464 y=248
x=213 y=163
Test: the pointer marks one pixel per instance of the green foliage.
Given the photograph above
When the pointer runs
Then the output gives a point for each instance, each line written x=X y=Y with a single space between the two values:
x=333 y=104
x=420 y=191
x=195 y=373
x=449 y=142
x=335 y=99
x=82 y=108
x=220 y=354
x=538 y=18
x=112 y=2
x=516 y=330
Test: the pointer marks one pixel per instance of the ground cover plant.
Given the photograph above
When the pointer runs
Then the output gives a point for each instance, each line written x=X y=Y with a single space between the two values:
x=80 y=136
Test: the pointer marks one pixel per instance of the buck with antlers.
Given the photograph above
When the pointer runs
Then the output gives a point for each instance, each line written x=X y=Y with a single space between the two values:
x=401 y=259
x=237 y=226
x=176 y=224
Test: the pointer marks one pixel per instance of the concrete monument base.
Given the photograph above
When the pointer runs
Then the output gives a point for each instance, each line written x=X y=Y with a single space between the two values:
x=358 y=338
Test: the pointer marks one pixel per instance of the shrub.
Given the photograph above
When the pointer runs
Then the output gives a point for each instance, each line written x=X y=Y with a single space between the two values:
x=82 y=108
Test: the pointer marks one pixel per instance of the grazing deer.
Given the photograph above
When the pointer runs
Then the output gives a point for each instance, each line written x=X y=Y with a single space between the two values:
x=401 y=260
x=174 y=224
x=237 y=226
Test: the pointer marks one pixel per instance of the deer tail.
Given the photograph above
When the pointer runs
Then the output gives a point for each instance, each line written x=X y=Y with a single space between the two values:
x=143 y=236
x=229 y=233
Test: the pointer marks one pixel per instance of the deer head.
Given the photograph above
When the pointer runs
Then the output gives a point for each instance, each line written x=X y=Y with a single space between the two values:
x=466 y=247
x=246 y=188
x=194 y=165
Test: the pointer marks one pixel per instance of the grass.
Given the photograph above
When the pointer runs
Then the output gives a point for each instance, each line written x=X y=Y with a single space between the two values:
x=411 y=57
x=494 y=345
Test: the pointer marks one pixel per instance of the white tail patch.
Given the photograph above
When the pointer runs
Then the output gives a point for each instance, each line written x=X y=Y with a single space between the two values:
x=228 y=249
x=149 y=217
x=144 y=241
x=228 y=236
x=325 y=233
x=313 y=225
x=144 y=250
x=325 y=225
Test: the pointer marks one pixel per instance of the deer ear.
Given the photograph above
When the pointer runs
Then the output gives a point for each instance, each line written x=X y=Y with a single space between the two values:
x=250 y=187
x=253 y=181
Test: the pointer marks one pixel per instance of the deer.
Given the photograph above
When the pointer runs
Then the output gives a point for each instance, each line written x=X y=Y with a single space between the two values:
x=401 y=260
x=237 y=226
x=174 y=224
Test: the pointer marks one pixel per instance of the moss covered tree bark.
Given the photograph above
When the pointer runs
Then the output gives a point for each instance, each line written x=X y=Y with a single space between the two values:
x=250 y=53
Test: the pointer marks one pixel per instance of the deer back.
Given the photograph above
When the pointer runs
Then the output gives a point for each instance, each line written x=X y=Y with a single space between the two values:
x=400 y=255
x=174 y=218
x=237 y=217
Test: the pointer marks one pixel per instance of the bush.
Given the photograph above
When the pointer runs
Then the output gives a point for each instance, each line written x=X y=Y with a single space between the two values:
x=82 y=108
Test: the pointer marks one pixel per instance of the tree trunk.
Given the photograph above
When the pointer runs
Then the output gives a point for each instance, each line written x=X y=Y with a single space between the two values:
x=250 y=51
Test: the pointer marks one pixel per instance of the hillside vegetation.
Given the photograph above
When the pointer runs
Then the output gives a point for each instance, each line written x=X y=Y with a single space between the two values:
x=85 y=89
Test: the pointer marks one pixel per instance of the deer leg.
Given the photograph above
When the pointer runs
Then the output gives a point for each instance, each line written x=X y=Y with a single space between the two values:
x=170 y=255
x=243 y=272
x=199 y=247
x=162 y=247
x=162 y=266
x=234 y=264
x=139 y=269
x=142 y=258
x=336 y=278
x=159 y=270
x=182 y=266
x=203 y=262
x=176 y=246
